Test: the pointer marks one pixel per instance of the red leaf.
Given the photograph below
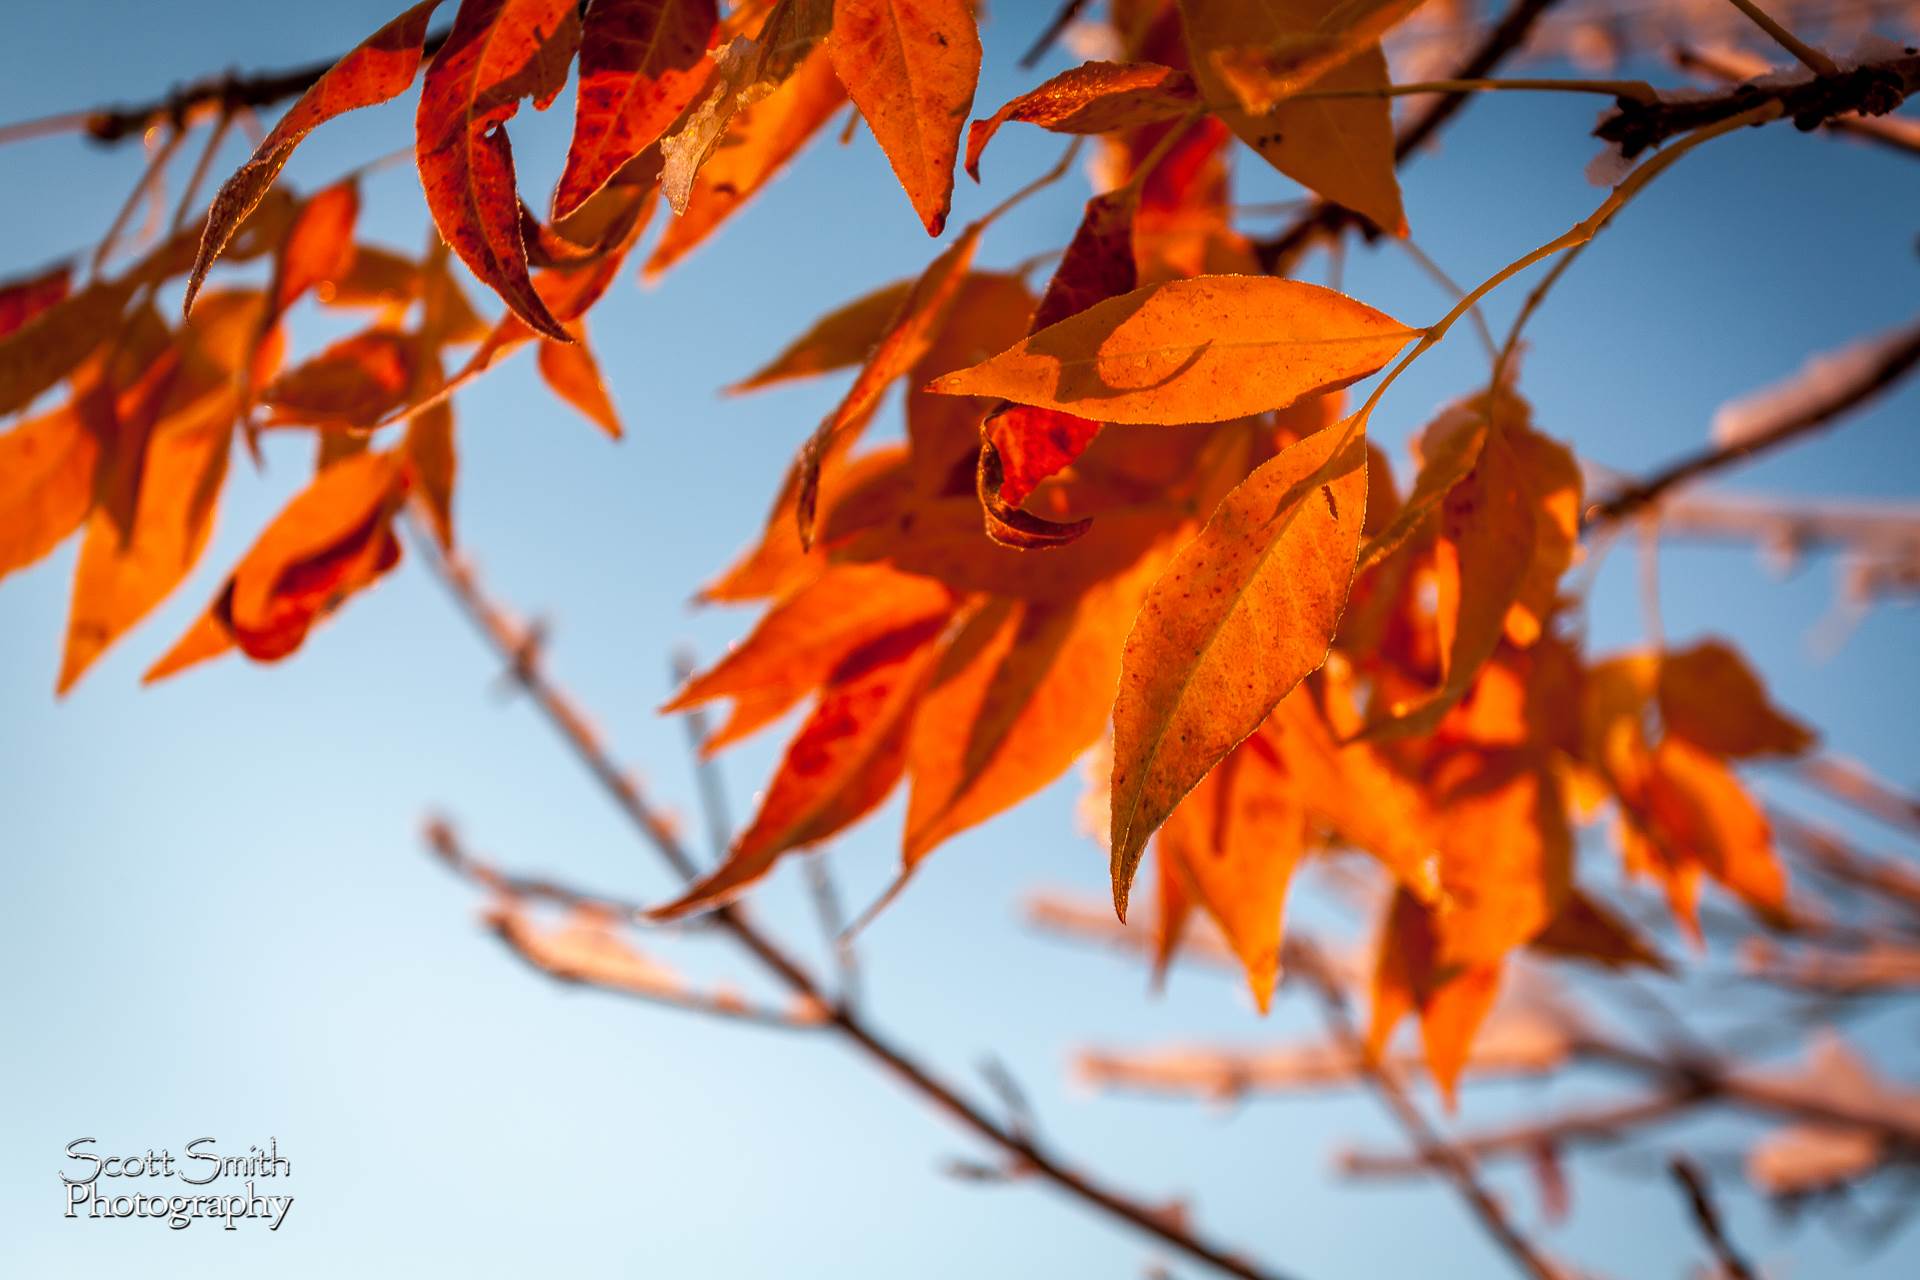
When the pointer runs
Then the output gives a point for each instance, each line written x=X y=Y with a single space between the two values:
x=641 y=62
x=498 y=52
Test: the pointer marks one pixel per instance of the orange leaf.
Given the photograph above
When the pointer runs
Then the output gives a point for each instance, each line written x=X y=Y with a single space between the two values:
x=841 y=338
x=379 y=68
x=1244 y=612
x=119 y=580
x=641 y=63
x=433 y=464
x=47 y=347
x=570 y=370
x=1696 y=809
x=333 y=539
x=911 y=66
x=1313 y=37
x=1711 y=698
x=1202 y=350
x=46 y=484
x=909 y=336
x=1095 y=97
x=803 y=639
x=319 y=244
x=1236 y=840
x=844 y=761
x=1408 y=977
x=353 y=383
x=498 y=52
x=1506 y=853
x=1021 y=691
x=1340 y=147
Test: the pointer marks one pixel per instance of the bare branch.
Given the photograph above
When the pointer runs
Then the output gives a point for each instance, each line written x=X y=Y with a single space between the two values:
x=1871 y=89
x=1457 y=1167
x=1892 y=363
x=1732 y=66
x=1591 y=1127
x=1707 y=1217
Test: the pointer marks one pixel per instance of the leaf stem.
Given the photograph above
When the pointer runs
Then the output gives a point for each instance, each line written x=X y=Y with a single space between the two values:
x=1819 y=63
x=1637 y=90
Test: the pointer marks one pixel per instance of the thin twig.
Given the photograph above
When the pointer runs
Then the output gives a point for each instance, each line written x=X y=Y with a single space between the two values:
x=1817 y=62
x=1457 y=1167
x=213 y=95
x=1062 y=19
x=445 y=844
x=503 y=635
x=1707 y=1217
x=706 y=776
x=1852 y=784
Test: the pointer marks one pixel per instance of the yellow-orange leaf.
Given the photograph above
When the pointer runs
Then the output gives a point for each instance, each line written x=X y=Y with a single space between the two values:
x=1202 y=350
x=760 y=141
x=1506 y=853
x=1697 y=810
x=573 y=374
x=120 y=579
x=1244 y=612
x=1022 y=690
x=1235 y=841
x=1340 y=147
x=911 y=67
x=1711 y=698
x=46 y=485
x=837 y=340
x=1408 y=978
x=1313 y=37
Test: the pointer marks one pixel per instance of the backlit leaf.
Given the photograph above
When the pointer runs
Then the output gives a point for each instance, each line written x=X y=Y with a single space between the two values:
x=1095 y=97
x=1244 y=612
x=1202 y=350
x=911 y=67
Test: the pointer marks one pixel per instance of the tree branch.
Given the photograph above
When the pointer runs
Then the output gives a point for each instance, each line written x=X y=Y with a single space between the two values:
x=1890 y=365
x=1707 y=1217
x=1871 y=89
x=1728 y=66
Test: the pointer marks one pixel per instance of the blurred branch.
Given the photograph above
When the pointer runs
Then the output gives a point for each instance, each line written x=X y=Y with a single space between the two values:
x=1455 y=1165
x=1706 y=1216
x=446 y=845
x=1891 y=363
x=1022 y=1152
x=1732 y=66
x=1853 y=785
x=1592 y=1126
x=1509 y=1047
x=1062 y=19
x=209 y=97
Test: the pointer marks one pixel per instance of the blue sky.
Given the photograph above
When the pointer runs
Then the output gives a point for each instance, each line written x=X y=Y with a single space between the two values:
x=216 y=918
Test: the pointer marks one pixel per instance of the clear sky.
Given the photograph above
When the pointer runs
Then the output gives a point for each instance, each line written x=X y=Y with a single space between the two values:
x=216 y=917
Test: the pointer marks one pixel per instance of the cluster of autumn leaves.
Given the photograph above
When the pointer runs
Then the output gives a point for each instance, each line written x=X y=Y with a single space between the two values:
x=1132 y=510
